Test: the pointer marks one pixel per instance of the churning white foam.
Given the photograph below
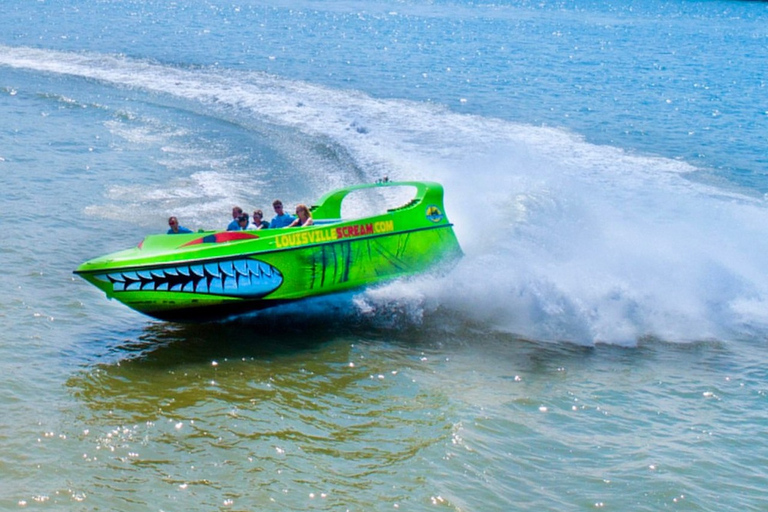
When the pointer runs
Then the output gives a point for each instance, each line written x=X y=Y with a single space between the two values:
x=564 y=240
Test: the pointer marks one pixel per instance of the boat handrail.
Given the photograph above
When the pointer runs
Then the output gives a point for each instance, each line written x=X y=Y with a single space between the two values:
x=329 y=206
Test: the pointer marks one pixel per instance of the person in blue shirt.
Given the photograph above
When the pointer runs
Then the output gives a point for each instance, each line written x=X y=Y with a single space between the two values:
x=236 y=213
x=282 y=219
x=174 y=228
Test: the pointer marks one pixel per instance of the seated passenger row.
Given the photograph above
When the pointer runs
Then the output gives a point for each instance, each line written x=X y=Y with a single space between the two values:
x=241 y=221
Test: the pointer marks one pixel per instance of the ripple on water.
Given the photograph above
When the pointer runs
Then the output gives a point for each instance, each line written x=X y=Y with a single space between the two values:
x=328 y=422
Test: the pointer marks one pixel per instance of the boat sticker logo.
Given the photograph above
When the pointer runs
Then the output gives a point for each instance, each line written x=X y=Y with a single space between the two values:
x=434 y=214
x=245 y=277
x=315 y=236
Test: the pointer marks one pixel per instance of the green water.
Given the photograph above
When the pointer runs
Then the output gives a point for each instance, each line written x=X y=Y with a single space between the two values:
x=312 y=418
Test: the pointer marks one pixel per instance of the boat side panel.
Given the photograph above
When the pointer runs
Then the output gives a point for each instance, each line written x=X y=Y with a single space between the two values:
x=328 y=268
x=208 y=292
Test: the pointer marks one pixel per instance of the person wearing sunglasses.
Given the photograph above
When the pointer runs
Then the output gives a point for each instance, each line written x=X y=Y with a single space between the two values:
x=244 y=222
x=303 y=217
x=257 y=220
x=281 y=219
x=174 y=227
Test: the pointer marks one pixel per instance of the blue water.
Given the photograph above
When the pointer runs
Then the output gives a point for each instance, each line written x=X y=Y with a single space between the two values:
x=600 y=346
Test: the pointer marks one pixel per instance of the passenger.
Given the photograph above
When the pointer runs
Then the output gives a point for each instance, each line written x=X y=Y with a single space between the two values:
x=303 y=217
x=257 y=222
x=234 y=225
x=282 y=219
x=243 y=223
x=175 y=229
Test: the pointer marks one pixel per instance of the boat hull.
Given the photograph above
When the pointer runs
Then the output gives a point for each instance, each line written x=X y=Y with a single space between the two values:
x=213 y=275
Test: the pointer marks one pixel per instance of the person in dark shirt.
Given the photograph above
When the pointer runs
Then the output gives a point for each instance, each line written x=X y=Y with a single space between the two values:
x=257 y=220
x=303 y=217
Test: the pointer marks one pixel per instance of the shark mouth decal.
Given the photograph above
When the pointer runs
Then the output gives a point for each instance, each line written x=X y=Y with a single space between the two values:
x=245 y=278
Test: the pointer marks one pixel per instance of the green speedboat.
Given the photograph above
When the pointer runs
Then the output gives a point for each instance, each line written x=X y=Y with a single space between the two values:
x=212 y=275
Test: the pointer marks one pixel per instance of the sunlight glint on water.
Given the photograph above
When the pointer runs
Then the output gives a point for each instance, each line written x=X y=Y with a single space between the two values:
x=599 y=347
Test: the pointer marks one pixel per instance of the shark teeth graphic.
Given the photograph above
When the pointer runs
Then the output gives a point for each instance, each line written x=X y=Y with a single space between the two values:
x=245 y=278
